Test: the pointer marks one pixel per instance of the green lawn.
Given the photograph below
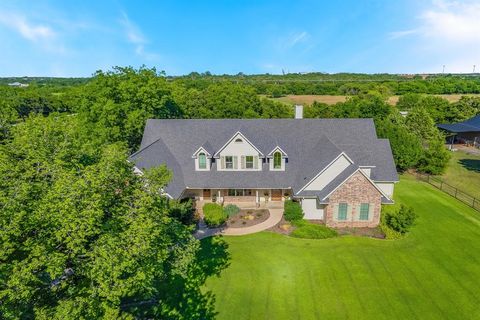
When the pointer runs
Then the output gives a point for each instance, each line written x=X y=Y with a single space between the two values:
x=463 y=172
x=433 y=273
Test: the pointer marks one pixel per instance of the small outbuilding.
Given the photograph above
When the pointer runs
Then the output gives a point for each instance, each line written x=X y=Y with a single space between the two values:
x=467 y=132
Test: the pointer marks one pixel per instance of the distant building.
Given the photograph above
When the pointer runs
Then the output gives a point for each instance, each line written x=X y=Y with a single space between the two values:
x=467 y=131
x=18 y=84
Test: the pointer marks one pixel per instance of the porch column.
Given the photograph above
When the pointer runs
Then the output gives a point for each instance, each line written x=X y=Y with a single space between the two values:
x=257 y=200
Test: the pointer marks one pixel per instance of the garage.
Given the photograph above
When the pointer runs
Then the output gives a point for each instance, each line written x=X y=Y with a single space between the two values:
x=312 y=209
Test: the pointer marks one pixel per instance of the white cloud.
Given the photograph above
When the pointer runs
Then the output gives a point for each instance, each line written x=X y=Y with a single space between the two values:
x=28 y=30
x=294 y=39
x=135 y=36
x=457 y=22
x=298 y=38
x=401 y=34
x=448 y=31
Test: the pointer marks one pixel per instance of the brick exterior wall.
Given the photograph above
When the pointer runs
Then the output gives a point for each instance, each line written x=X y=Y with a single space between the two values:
x=356 y=190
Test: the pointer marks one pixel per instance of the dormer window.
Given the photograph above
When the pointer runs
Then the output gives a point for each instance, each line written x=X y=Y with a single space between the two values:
x=238 y=140
x=202 y=161
x=277 y=160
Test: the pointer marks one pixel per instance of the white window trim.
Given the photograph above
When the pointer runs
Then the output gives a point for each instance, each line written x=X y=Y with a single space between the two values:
x=239 y=163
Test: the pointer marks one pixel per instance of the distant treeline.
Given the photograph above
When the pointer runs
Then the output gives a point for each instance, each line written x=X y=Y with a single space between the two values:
x=343 y=83
x=308 y=83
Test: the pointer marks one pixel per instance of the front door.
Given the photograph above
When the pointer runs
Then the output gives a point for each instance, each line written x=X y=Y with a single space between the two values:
x=276 y=194
x=206 y=193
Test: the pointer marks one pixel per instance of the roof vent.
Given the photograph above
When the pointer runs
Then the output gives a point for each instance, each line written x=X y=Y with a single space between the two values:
x=298 y=111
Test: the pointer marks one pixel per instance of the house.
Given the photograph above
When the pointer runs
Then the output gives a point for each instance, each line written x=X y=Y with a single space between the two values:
x=467 y=131
x=337 y=169
x=18 y=84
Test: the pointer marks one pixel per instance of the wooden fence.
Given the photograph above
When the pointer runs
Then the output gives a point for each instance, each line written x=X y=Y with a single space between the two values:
x=451 y=190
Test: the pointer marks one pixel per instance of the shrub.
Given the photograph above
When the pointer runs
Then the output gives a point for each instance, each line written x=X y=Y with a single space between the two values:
x=292 y=211
x=183 y=211
x=308 y=230
x=401 y=220
x=213 y=214
x=231 y=210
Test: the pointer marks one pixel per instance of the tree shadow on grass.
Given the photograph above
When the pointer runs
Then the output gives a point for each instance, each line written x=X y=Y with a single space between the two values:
x=184 y=296
x=212 y=258
x=470 y=164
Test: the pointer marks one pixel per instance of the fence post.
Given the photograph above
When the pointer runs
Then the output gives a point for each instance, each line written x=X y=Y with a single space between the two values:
x=473 y=202
x=456 y=190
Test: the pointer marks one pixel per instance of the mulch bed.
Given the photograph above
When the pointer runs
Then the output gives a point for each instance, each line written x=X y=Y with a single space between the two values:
x=362 y=232
x=247 y=218
x=284 y=227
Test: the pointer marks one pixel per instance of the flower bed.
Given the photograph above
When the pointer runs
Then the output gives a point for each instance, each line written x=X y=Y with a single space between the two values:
x=247 y=218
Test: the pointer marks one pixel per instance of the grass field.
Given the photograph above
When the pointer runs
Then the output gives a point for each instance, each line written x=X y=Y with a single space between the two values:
x=463 y=172
x=329 y=99
x=433 y=273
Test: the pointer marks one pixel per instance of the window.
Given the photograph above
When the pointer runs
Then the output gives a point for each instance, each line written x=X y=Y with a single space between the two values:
x=228 y=162
x=238 y=140
x=239 y=192
x=277 y=160
x=249 y=162
x=364 y=210
x=342 y=211
x=202 y=161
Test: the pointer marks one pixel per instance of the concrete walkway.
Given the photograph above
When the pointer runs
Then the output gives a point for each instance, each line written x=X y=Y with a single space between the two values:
x=274 y=218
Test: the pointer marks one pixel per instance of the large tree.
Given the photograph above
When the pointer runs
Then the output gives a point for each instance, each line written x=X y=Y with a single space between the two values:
x=83 y=237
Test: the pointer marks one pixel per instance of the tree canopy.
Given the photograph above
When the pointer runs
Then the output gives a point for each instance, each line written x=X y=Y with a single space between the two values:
x=82 y=236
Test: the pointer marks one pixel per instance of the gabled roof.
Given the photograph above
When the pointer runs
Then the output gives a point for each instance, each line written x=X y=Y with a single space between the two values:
x=277 y=148
x=238 y=133
x=338 y=181
x=470 y=125
x=205 y=148
x=311 y=145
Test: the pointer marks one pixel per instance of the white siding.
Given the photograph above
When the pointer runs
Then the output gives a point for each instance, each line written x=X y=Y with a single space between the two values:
x=386 y=187
x=312 y=209
x=367 y=171
x=240 y=149
x=329 y=174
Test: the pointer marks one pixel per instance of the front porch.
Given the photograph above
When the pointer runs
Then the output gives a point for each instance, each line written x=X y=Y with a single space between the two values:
x=243 y=198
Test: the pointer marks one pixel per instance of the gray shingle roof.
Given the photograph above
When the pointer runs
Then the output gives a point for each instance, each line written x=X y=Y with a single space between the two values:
x=470 y=125
x=311 y=144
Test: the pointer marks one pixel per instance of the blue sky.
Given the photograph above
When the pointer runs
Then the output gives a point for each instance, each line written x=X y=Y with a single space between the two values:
x=76 y=38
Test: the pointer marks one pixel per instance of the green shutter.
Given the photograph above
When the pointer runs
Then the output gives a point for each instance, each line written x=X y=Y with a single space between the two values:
x=364 y=211
x=255 y=162
x=222 y=162
x=242 y=162
x=342 y=211
x=235 y=162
